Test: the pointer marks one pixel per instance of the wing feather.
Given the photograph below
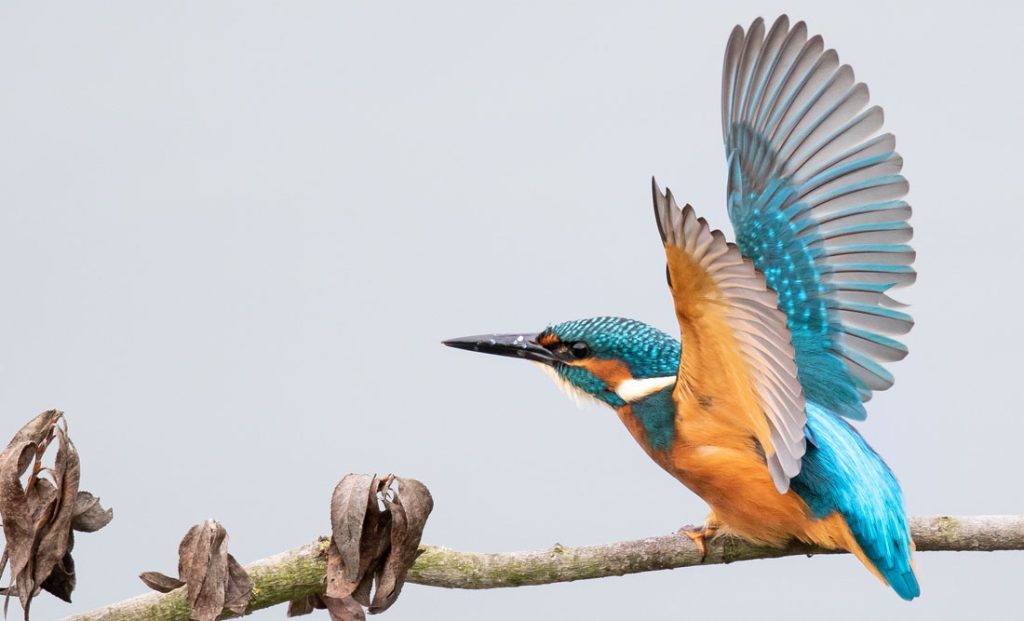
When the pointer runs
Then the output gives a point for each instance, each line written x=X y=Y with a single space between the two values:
x=815 y=196
x=732 y=327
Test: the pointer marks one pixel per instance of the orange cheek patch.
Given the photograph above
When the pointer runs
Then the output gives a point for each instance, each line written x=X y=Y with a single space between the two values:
x=547 y=340
x=611 y=372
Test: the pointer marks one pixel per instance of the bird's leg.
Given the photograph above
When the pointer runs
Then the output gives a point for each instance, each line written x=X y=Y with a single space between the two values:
x=700 y=535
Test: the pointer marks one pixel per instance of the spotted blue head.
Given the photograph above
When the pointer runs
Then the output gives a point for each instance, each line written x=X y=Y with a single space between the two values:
x=614 y=360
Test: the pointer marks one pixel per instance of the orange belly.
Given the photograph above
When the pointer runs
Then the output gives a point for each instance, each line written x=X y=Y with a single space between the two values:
x=727 y=471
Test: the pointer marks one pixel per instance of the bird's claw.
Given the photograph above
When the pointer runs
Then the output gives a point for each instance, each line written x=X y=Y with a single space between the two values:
x=699 y=537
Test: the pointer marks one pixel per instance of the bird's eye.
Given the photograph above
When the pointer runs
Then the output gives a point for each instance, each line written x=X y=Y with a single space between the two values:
x=579 y=350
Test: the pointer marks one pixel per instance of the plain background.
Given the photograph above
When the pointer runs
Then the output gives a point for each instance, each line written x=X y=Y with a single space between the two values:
x=233 y=234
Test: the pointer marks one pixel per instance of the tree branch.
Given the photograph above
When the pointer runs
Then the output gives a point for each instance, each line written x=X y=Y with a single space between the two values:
x=300 y=572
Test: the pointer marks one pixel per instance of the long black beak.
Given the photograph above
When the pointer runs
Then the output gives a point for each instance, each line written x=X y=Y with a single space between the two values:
x=512 y=345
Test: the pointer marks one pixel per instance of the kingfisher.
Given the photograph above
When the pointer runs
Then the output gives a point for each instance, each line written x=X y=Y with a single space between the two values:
x=784 y=332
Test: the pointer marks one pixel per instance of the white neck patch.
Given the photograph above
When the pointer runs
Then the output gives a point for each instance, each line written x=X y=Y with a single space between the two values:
x=636 y=389
x=574 y=393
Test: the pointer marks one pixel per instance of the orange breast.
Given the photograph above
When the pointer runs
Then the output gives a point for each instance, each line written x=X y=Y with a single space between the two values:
x=723 y=466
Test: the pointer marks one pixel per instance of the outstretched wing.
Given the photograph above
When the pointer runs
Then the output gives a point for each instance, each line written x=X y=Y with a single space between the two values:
x=735 y=344
x=814 y=197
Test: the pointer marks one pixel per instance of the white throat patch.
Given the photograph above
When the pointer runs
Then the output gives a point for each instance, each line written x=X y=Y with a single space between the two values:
x=574 y=393
x=635 y=389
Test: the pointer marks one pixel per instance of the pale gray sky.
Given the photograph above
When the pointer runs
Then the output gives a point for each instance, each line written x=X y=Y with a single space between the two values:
x=233 y=234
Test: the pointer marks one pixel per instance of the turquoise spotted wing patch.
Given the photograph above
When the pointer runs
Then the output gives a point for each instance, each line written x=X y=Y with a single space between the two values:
x=815 y=196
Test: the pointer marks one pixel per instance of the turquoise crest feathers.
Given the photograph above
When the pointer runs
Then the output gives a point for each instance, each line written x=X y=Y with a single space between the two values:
x=647 y=351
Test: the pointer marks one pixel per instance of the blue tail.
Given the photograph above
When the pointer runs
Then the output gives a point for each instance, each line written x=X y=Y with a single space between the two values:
x=842 y=473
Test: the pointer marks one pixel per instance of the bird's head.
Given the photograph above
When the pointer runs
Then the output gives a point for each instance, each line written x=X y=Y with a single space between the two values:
x=613 y=360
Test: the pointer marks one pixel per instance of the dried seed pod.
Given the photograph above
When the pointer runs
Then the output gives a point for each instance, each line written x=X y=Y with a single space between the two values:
x=40 y=516
x=215 y=580
x=376 y=526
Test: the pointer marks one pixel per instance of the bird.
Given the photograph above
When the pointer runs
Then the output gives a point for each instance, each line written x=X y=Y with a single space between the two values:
x=784 y=333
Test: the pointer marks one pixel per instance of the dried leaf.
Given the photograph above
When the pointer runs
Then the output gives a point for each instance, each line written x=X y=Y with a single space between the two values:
x=55 y=536
x=61 y=581
x=410 y=508
x=348 y=511
x=376 y=541
x=362 y=592
x=304 y=606
x=20 y=531
x=89 y=515
x=214 y=580
x=344 y=609
x=239 y=588
x=388 y=574
x=203 y=565
x=359 y=534
x=339 y=609
x=160 y=582
x=37 y=430
x=418 y=505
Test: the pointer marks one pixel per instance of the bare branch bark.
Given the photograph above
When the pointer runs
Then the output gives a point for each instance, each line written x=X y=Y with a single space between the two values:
x=300 y=572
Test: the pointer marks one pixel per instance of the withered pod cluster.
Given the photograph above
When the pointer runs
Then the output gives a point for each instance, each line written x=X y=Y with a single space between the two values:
x=41 y=508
